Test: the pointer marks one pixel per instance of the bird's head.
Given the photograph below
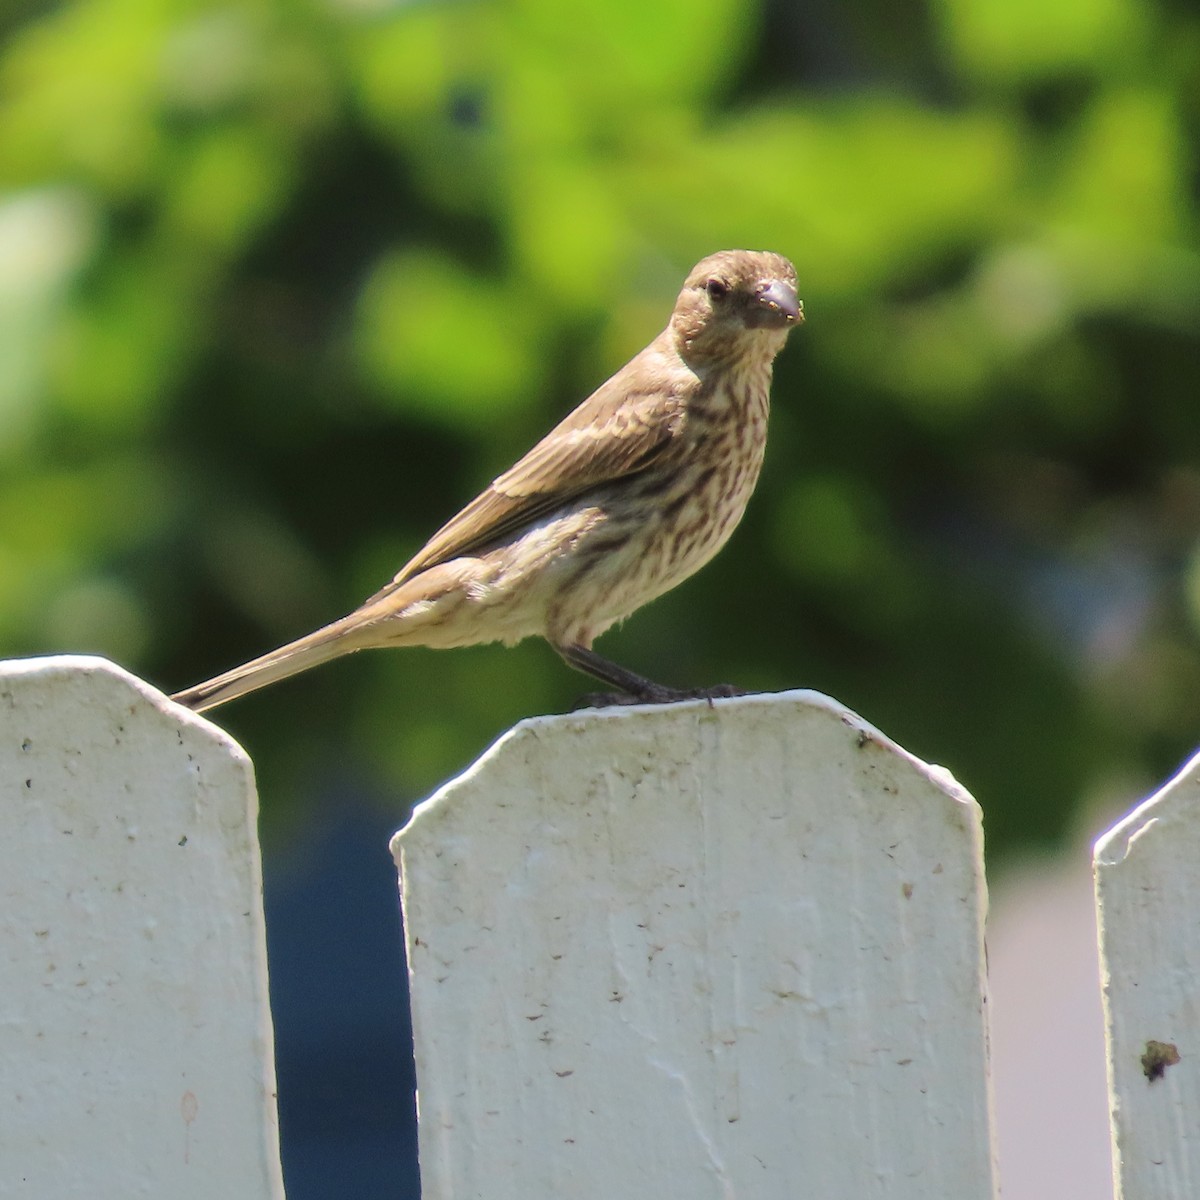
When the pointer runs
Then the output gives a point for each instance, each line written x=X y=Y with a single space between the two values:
x=737 y=302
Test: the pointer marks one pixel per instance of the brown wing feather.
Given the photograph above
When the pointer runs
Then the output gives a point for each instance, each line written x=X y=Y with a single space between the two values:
x=598 y=442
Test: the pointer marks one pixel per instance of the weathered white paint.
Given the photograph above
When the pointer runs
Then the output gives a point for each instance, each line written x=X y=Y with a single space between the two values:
x=1147 y=883
x=699 y=951
x=136 y=1055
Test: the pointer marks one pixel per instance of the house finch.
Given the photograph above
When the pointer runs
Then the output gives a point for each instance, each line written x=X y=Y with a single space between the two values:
x=640 y=486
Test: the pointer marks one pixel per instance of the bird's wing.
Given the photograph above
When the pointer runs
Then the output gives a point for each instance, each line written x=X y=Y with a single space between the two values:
x=616 y=431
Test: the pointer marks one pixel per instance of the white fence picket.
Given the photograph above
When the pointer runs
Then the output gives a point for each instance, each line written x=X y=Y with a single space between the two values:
x=1148 y=892
x=135 y=1038
x=694 y=951
x=699 y=951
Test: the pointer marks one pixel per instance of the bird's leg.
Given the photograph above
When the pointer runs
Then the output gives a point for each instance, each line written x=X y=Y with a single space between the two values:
x=635 y=689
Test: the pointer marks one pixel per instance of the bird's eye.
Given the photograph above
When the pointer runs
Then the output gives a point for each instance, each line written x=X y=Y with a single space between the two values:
x=717 y=289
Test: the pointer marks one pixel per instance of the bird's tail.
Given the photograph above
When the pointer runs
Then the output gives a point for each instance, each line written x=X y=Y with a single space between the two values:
x=341 y=637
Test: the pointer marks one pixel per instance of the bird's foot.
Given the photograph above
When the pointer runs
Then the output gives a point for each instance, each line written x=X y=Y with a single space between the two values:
x=606 y=700
x=656 y=694
x=718 y=691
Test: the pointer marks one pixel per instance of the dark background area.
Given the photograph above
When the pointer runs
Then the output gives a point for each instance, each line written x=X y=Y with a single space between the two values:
x=283 y=284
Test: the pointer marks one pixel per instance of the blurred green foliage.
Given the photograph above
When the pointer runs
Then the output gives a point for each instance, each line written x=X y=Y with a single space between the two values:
x=284 y=282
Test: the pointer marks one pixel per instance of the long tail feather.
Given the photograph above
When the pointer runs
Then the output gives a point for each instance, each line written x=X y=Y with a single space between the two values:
x=331 y=642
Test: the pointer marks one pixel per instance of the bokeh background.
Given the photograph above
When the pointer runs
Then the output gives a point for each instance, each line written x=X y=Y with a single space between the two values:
x=284 y=282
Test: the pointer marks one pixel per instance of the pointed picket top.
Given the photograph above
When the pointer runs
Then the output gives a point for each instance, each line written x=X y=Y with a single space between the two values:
x=1148 y=896
x=699 y=951
x=135 y=1038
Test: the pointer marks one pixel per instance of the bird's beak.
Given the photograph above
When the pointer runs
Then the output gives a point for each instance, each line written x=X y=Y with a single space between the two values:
x=776 y=305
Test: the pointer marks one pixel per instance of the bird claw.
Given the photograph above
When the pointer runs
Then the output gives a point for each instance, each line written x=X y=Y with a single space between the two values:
x=718 y=691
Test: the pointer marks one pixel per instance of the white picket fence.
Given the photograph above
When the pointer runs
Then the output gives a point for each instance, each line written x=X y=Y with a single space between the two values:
x=693 y=951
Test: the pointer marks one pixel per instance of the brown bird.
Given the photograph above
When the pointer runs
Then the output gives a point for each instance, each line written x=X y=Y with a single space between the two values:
x=629 y=495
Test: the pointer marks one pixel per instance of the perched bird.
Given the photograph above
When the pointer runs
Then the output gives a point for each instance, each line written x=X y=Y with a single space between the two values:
x=629 y=495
